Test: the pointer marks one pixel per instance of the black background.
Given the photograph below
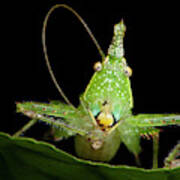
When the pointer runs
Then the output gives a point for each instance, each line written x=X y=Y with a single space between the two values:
x=151 y=48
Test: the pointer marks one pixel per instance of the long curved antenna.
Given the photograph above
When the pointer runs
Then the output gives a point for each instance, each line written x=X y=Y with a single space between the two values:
x=45 y=48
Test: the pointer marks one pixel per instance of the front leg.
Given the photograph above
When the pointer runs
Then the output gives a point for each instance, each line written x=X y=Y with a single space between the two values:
x=60 y=116
x=149 y=121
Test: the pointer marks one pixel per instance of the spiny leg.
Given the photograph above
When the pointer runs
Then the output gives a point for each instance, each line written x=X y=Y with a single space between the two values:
x=39 y=108
x=59 y=115
x=151 y=120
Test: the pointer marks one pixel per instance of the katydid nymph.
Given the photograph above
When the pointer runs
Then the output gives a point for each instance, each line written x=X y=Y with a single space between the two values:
x=104 y=119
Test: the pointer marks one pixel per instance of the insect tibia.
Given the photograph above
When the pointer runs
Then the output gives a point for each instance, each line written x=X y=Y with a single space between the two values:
x=150 y=120
x=57 y=123
x=116 y=48
x=58 y=116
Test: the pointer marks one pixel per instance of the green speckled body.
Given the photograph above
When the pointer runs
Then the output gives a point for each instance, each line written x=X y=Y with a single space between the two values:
x=111 y=84
x=103 y=119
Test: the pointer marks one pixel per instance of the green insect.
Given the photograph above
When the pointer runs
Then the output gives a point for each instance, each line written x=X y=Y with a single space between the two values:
x=104 y=119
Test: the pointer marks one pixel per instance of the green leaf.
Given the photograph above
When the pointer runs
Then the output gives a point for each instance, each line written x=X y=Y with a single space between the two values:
x=27 y=159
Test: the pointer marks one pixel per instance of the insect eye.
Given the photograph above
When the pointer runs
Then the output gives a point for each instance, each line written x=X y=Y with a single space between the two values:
x=97 y=66
x=128 y=71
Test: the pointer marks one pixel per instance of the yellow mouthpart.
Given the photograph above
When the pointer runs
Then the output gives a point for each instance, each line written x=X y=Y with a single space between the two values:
x=105 y=119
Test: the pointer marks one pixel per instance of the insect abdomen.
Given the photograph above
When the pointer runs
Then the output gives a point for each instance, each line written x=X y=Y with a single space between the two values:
x=110 y=145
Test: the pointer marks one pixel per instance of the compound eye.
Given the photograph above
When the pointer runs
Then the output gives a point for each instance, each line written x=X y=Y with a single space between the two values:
x=97 y=66
x=128 y=71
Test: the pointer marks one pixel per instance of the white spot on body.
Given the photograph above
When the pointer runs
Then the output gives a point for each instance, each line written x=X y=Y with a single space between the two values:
x=39 y=116
x=110 y=80
x=117 y=85
x=97 y=144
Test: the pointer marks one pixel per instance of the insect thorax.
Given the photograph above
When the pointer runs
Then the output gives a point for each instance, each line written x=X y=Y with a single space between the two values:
x=108 y=95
